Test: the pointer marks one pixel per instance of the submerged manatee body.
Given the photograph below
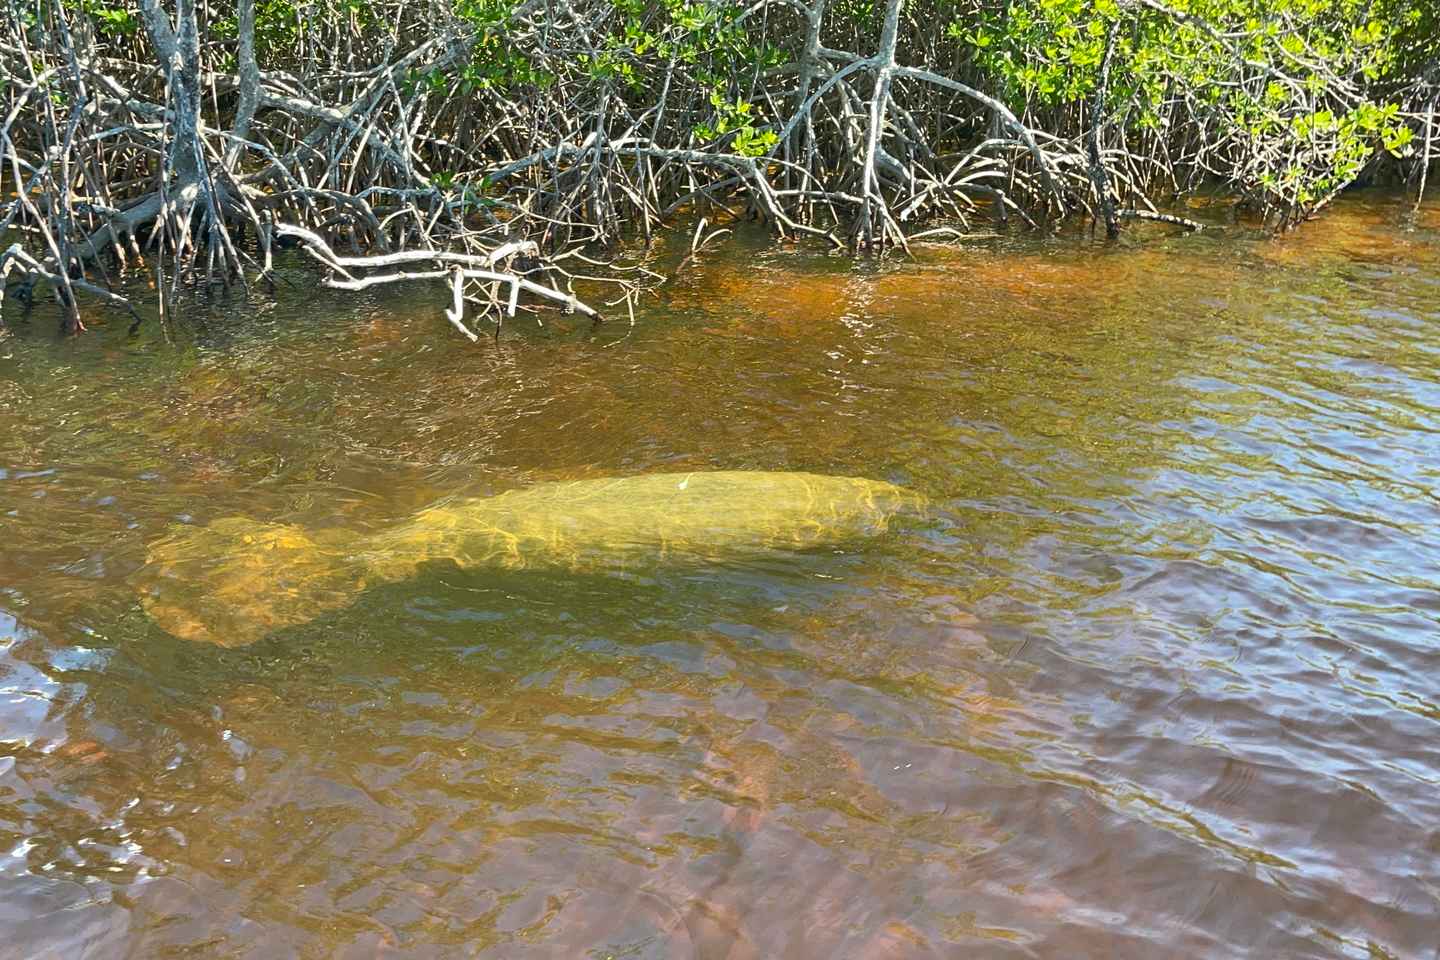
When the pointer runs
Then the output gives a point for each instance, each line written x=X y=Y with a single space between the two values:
x=234 y=581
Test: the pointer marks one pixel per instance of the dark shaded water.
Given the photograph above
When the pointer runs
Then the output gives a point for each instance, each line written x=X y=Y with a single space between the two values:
x=1159 y=679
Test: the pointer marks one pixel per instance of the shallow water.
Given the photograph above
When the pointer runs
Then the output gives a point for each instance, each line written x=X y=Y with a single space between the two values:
x=1158 y=678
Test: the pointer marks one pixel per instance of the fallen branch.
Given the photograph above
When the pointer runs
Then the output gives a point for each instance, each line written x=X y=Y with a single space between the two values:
x=1133 y=214
x=461 y=267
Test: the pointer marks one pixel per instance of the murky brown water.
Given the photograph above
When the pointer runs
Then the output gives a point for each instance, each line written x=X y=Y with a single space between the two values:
x=1159 y=679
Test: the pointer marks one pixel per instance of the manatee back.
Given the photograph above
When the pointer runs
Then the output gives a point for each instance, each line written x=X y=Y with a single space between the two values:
x=708 y=515
x=236 y=580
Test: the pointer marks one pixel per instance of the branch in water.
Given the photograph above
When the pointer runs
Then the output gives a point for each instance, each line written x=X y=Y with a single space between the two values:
x=1132 y=214
x=460 y=267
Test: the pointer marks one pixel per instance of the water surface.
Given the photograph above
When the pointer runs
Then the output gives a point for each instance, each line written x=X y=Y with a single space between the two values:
x=1158 y=678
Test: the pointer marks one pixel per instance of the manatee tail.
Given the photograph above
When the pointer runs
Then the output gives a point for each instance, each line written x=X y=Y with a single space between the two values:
x=236 y=580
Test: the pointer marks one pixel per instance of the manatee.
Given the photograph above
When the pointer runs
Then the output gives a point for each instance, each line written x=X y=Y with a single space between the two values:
x=237 y=579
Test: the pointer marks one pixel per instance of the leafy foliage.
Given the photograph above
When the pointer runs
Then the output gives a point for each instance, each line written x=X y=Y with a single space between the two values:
x=1306 y=80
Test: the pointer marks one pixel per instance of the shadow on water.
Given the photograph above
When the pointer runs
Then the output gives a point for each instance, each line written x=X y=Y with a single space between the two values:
x=1156 y=680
